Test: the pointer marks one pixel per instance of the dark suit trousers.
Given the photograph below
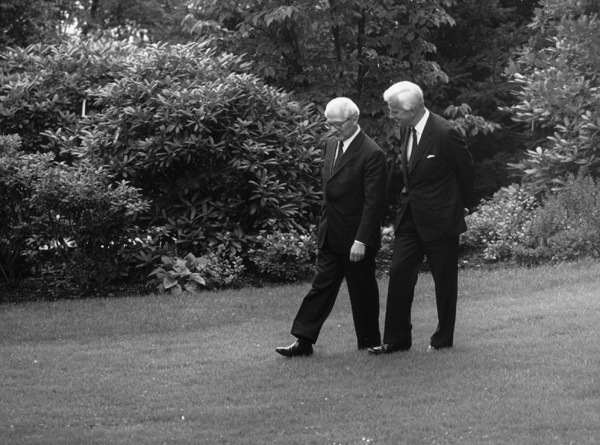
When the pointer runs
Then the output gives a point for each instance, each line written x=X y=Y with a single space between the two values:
x=407 y=258
x=362 y=288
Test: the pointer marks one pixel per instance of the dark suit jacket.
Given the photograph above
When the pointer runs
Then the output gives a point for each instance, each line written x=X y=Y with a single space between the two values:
x=437 y=181
x=353 y=195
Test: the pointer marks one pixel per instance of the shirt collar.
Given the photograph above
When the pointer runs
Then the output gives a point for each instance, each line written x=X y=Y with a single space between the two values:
x=421 y=124
x=346 y=142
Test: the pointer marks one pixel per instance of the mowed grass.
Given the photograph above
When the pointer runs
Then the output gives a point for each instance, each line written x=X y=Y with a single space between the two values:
x=202 y=369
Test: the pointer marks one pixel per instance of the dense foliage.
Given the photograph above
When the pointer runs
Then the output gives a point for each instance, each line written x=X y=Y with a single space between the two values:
x=70 y=225
x=559 y=93
x=285 y=256
x=566 y=226
x=326 y=48
x=474 y=54
x=218 y=154
x=456 y=50
x=25 y=22
x=119 y=152
x=43 y=88
x=499 y=225
x=514 y=226
x=191 y=274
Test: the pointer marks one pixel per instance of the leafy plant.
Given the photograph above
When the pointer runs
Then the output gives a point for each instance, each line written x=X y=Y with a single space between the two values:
x=85 y=221
x=222 y=267
x=499 y=224
x=566 y=226
x=176 y=275
x=70 y=223
x=285 y=256
x=557 y=76
x=468 y=124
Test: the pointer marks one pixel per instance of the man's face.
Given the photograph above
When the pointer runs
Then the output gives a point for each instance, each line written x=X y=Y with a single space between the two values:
x=340 y=126
x=400 y=114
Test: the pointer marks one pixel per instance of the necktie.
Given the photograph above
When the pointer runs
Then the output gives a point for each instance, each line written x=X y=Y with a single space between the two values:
x=338 y=156
x=413 y=147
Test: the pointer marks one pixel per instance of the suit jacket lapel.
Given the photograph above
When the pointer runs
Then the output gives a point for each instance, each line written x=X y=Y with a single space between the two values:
x=349 y=153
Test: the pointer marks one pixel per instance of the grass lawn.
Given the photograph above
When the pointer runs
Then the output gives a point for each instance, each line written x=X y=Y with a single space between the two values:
x=202 y=369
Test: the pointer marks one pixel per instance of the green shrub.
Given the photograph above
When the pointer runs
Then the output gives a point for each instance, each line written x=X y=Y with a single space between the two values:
x=85 y=222
x=567 y=224
x=285 y=256
x=68 y=224
x=219 y=153
x=177 y=275
x=557 y=84
x=214 y=270
x=221 y=267
x=499 y=225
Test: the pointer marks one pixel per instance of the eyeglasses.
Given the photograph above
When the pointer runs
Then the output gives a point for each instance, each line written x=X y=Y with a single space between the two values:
x=337 y=125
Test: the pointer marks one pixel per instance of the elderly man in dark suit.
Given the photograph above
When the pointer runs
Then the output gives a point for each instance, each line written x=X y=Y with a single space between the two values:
x=349 y=234
x=437 y=176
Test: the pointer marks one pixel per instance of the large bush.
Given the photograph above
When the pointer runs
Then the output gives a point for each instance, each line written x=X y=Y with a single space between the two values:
x=71 y=225
x=220 y=155
x=499 y=225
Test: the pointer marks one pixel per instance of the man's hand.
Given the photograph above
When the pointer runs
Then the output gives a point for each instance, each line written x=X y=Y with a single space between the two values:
x=357 y=252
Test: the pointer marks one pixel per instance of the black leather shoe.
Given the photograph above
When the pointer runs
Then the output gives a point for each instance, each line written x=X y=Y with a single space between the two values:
x=386 y=349
x=296 y=349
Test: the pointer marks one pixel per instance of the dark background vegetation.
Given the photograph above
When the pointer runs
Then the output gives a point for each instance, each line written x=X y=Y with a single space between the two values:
x=182 y=137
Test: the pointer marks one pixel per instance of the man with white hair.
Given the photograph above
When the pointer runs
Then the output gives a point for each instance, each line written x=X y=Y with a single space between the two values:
x=437 y=176
x=354 y=187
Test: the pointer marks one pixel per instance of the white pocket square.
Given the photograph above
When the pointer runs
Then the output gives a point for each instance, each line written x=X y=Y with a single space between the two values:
x=430 y=156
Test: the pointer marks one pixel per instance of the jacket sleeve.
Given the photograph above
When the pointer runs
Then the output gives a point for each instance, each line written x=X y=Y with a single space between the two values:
x=375 y=184
x=459 y=157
